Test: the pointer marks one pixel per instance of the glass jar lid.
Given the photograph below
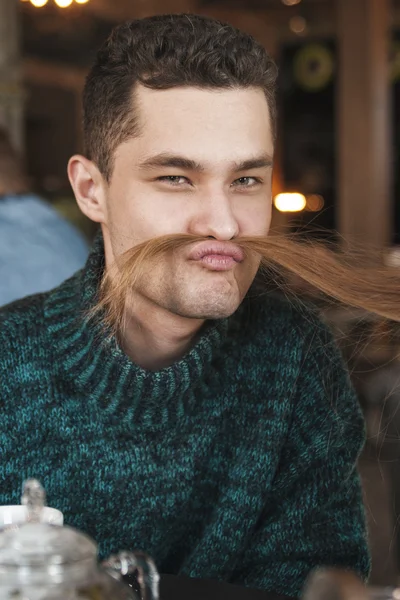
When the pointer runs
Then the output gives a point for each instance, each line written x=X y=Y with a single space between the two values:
x=39 y=544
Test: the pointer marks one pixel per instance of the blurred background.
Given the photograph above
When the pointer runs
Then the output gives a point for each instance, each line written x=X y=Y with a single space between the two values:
x=337 y=172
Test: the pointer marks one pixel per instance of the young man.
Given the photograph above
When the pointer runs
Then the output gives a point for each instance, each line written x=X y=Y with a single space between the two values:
x=217 y=430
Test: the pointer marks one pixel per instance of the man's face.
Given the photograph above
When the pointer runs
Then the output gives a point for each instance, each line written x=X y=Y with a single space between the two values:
x=202 y=166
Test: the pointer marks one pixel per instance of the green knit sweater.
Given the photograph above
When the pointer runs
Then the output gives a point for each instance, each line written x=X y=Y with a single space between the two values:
x=236 y=463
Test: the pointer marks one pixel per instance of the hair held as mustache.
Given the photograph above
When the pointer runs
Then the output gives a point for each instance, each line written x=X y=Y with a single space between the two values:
x=345 y=277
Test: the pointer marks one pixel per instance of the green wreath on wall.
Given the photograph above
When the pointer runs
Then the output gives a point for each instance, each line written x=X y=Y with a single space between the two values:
x=313 y=67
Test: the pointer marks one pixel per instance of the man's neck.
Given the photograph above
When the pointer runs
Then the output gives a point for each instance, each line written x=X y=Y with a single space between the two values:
x=155 y=338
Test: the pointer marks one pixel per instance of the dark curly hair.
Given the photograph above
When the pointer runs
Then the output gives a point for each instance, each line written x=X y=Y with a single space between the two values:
x=162 y=52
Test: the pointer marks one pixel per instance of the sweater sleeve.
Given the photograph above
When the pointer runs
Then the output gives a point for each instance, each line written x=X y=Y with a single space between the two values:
x=314 y=514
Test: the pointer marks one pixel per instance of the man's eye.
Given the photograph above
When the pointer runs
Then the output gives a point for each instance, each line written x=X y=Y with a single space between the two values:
x=246 y=182
x=174 y=179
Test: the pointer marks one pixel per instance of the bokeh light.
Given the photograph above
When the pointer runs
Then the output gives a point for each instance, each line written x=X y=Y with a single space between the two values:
x=315 y=203
x=290 y=202
x=39 y=3
x=298 y=24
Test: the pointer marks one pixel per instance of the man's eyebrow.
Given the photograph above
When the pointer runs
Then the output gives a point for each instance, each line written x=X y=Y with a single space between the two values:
x=182 y=162
x=258 y=162
x=170 y=160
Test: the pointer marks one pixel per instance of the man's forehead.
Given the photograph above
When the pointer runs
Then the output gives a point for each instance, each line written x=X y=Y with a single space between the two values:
x=187 y=101
x=217 y=127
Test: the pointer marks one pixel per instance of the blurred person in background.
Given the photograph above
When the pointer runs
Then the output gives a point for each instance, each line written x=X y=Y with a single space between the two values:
x=38 y=248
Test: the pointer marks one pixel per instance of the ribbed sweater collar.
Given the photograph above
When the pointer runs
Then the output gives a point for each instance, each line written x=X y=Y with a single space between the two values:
x=98 y=368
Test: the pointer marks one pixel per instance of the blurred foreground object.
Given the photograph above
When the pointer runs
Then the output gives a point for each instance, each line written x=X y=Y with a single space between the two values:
x=338 y=584
x=334 y=584
x=39 y=561
x=38 y=248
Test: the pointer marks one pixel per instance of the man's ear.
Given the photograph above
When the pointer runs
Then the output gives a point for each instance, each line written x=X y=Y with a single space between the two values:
x=89 y=188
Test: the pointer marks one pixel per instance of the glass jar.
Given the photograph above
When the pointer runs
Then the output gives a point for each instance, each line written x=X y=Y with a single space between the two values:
x=40 y=561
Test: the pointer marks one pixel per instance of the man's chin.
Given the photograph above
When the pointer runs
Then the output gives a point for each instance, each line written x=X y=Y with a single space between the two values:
x=217 y=301
x=208 y=310
x=203 y=299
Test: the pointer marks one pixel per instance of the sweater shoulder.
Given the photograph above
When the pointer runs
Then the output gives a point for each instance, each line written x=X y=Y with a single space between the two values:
x=25 y=353
x=293 y=336
x=284 y=319
x=22 y=332
x=22 y=315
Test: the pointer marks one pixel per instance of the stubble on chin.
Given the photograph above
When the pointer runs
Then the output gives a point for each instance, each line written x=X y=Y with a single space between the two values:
x=210 y=297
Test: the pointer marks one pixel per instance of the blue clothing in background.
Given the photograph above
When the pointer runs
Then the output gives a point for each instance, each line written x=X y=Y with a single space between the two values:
x=38 y=248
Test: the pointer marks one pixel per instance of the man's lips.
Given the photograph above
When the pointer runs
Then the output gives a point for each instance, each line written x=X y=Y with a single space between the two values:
x=217 y=256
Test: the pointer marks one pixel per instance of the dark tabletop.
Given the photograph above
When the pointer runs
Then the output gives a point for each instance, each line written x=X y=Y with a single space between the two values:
x=186 y=588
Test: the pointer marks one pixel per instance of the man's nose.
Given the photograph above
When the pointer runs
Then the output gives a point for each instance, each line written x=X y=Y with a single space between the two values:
x=215 y=218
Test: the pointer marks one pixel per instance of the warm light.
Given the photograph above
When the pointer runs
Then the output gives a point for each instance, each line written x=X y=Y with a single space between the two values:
x=298 y=24
x=315 y=203
x=396 y=594
x=290 y=202
x=291 y=2
x=60 y=3
x=392 y=259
